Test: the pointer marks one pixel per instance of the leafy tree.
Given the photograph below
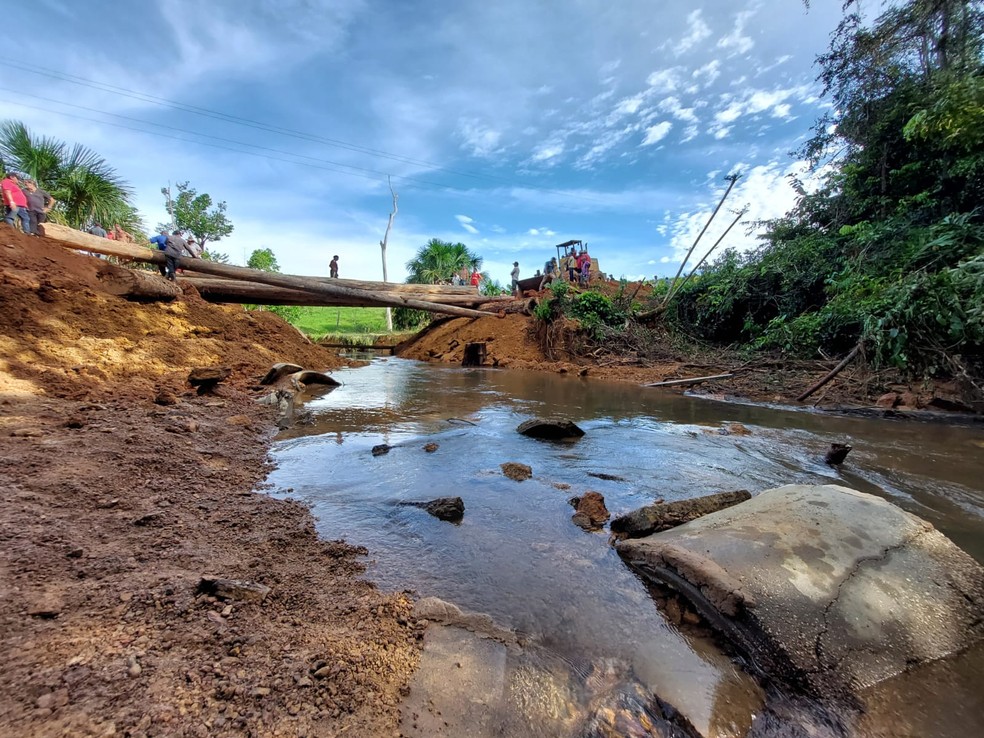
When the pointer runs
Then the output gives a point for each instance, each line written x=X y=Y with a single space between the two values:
x=191 y=212
x=265 y=260
x=439 y=261
x=87 y=189
x=888 y=250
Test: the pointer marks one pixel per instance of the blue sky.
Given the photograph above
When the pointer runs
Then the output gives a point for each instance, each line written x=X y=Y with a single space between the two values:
x=510 y=125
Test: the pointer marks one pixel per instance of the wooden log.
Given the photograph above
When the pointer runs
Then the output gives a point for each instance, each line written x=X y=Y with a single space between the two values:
x=831 y=374
x=403 y=287
x=86 y=242
x=689 y=380
x=134 y=284
x=238 y=291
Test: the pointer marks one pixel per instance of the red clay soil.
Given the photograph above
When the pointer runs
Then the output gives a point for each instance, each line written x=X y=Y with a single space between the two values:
x=120 y=487
x=511 y=342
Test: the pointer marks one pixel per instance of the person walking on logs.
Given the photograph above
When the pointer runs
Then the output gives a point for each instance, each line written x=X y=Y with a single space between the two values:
x=39 y=204
x=333 y=267
x=175 y=247
x=16 y=202
x=514 y=275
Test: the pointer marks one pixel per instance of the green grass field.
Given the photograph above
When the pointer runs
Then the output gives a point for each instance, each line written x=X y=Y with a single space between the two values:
x=318 y=322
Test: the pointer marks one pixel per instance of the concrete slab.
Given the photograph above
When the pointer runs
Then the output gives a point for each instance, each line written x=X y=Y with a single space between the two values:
x=822 y=586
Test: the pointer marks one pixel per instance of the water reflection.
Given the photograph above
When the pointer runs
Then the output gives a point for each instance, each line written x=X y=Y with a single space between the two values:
x=516 y=554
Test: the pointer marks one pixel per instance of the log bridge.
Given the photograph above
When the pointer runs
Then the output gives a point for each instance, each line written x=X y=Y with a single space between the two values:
x=225 y=283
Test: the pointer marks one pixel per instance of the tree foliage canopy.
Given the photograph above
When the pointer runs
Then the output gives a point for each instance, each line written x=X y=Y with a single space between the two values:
x=438 y=261
x=890 y=249
x=87 y=189
x=191 y=212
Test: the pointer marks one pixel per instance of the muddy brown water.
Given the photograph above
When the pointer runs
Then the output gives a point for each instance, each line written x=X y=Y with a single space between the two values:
x=517 y=556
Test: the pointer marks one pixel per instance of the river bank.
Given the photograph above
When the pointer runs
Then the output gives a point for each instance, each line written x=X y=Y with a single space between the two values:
x=122 y=488
x=512 y=342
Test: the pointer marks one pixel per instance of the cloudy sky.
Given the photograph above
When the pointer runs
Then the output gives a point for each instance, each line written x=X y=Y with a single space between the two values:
x=509 y=126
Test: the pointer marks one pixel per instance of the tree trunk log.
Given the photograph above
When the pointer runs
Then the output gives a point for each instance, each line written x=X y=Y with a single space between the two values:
x=135 y=285
x=331 y=288
x=238 y=291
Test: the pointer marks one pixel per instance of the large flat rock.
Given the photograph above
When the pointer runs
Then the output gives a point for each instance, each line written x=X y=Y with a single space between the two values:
x=823 y=586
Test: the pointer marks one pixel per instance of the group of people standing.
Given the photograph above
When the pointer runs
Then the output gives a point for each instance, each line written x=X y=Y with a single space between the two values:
x=574 y=266
x=466 y=276
x=24 y=201
x=116 y=233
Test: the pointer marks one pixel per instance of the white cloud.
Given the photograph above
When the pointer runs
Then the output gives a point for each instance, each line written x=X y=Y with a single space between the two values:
x=547 y=151
x=697 y=31
x=674 y=107
x=764 y=189
x=736 y=41
x=466 y=223
x=665 y=80
x=708 y=73
x=533 y=232
x=480 y=139
x=657 y=133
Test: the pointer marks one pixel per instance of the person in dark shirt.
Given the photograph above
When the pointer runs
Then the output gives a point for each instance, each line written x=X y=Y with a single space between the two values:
x=39 y=203
x=333 y=267
x=98 y=230
x=175 y=247
x=160 y=242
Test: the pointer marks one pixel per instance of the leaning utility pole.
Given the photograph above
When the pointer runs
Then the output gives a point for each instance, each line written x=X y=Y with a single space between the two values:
x=382 y=249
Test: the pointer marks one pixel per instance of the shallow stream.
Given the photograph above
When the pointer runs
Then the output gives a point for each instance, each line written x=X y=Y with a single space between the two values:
x=518 y=557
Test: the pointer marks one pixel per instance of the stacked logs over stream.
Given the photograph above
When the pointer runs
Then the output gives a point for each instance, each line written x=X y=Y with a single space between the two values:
x=233 y=284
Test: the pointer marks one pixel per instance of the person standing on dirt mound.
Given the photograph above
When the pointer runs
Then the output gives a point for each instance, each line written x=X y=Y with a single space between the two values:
x=514 y=275
x=39 y=203
x=16 y=202
x=333 y=267
x=475 y=278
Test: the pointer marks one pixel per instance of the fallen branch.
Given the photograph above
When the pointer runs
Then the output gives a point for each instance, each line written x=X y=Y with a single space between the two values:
x=690 y=380
x=833 y=373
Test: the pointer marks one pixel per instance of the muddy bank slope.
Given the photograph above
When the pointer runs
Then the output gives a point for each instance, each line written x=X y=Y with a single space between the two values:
x=120 y=488
x=511 y=341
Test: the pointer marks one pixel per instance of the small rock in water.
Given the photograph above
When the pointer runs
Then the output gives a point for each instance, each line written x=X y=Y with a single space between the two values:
x=451 y=509
x=591 y=513
x=837 y=453
x=516 y=471
x=431 y=447
x=550 y=430
x=381 y=449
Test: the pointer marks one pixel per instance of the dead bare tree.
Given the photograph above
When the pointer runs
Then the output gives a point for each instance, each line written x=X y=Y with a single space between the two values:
x=382 y=248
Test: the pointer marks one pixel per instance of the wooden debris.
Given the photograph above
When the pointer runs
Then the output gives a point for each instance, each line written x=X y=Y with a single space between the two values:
x=690 y=380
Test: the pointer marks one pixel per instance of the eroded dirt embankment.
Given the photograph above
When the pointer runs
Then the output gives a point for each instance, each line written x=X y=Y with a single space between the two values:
x=512 y=341
x=120 y=487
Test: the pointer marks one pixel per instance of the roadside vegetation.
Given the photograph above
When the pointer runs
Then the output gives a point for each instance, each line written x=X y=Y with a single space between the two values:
x=888 y=253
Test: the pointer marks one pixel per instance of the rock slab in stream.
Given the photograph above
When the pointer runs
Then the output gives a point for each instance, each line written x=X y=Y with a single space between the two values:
x=826 y=588
x=654 y=518
x=550 y=429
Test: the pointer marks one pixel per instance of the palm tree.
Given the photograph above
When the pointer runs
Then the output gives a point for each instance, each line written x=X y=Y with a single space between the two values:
x=86 y=187
x=439 y=261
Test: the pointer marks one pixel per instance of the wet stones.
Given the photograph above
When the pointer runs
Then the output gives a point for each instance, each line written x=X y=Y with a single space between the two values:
x=449 y=509
x=837 y=453
x=590 y=511
x=431 y=447
x=516 y=471
x=381 y=449
x=550 y=429
x=654 y=518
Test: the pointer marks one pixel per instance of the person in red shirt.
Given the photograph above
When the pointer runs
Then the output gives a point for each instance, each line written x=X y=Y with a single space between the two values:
x=475 y=278
x=16 y=202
